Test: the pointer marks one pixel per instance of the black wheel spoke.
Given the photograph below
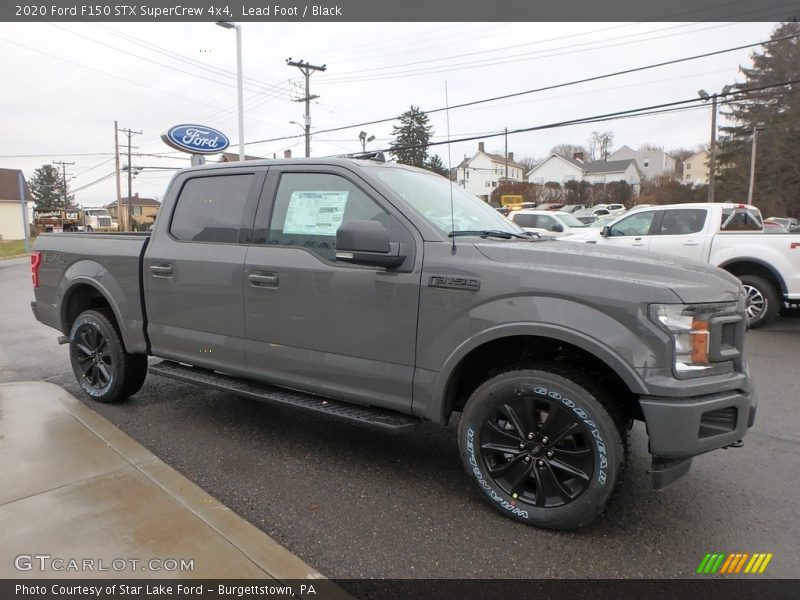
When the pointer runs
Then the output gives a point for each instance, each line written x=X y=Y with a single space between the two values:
x=84 y=349
x=495 y=433
x=515 y=421
x=570 y=429
x=84 y=359
x=517 y=475
x=499 y=469
x=550 y=484
x=102 y=370
x=557 y=420
x=502 y=448
x=568 y=468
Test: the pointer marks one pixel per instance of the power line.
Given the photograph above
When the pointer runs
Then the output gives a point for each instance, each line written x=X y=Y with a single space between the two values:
x=545 y=88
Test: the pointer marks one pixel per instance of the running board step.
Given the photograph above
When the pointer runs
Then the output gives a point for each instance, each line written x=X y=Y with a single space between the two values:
x=374 y=418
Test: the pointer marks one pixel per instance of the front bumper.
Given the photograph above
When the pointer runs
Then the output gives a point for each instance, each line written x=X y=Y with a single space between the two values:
x=680 y=428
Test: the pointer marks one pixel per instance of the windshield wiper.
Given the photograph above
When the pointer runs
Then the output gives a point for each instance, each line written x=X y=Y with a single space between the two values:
x=485 y=233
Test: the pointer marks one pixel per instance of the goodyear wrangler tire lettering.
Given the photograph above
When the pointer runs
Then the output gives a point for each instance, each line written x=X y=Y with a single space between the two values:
x=541 y=448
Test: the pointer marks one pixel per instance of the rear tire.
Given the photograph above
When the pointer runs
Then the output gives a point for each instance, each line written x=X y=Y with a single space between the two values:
x=105 y=371
x=541 y=447
x=763 y=300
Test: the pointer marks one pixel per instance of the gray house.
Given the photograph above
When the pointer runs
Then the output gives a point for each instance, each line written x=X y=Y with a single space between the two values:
x=651 y=163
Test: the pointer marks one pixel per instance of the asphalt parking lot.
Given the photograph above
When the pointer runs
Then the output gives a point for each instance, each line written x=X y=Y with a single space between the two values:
x=358 y=504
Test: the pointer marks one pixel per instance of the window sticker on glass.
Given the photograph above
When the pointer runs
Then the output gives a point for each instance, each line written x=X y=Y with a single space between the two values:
x=315 y=213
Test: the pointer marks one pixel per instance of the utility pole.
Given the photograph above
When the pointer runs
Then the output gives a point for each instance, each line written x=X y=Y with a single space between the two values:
x=756 y=128
x=306 y=69
x=130 y=133
x=122 y=222
x=63 y=166
x=712 y=153
x=506 y=155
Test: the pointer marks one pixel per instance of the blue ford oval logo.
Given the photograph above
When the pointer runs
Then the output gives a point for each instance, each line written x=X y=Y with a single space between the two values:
x=196 y=139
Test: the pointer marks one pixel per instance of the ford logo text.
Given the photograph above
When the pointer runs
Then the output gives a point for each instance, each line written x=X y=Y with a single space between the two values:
x=196 y=139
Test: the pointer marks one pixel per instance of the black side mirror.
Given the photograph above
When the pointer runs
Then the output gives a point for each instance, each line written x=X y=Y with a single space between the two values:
x=605 y=231
x=367 y=243
x=557 y=228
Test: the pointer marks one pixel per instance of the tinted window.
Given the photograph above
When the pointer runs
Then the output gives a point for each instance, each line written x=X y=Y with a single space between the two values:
x=546 y=222
x=211 y=209
x=636 y=224
x=682 y=221
x=310 y=207
x=524 y=220
x=740 y=219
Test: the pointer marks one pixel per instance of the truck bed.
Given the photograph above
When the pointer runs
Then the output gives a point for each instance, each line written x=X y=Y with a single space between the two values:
x=110 y=262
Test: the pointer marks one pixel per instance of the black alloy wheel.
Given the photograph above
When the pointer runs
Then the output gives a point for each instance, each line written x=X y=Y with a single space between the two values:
x=537 y=452
x=93 y=357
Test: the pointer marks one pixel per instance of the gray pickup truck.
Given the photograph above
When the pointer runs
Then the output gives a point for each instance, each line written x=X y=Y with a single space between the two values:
x=383 y=295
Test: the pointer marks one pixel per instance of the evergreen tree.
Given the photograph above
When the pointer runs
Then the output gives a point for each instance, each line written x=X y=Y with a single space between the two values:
x=411 y=138
x=47 y=189
x=436 y=165
x=777 y=171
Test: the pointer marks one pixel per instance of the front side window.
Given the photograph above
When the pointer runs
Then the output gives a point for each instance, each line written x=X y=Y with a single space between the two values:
x=433 y=196
x=310 y=207
x=211 y=209
x=637 y=224
x=682 y=221
x=525 y=220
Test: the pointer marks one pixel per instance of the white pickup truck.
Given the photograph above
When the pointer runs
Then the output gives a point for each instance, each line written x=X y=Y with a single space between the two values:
x=729 y=236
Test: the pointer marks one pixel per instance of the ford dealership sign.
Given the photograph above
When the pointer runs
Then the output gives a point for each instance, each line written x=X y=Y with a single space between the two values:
x=196 y=139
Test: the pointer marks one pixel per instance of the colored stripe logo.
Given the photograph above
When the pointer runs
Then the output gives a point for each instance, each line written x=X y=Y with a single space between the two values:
x=737 y=562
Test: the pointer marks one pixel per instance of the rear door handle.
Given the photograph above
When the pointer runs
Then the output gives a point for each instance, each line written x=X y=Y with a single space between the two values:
x=162 y=270
x=269 y=280
x=690 y=243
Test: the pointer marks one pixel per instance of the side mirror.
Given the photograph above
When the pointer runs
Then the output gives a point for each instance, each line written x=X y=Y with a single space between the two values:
x=605 y=231
x=367 y=243
x=557 y=228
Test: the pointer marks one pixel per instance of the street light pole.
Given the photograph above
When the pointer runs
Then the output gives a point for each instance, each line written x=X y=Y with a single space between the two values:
x=712 y=154
x=756 y=128
x=239 y=91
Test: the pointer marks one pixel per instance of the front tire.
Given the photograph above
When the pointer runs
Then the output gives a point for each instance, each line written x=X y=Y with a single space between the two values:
x=541 y=447
x=763 y=303
x=105 y=371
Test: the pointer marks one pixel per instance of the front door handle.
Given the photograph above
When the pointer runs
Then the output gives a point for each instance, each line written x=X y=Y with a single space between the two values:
x=162 y=270
x=637 y=242
x=690 y=243
x=269 y=280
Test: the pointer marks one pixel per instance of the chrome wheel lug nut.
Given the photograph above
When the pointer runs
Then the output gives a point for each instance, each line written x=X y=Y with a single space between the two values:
x=541 y=463
x=530 y=436
x=527 y=459
x=544 y=440
x=521 y=445
x=549 y=455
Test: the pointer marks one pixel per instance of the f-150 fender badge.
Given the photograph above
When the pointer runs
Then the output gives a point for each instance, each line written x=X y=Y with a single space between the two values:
x=454 y=283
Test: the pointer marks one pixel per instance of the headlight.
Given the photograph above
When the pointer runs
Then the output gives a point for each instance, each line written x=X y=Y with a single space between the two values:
x=689 y=326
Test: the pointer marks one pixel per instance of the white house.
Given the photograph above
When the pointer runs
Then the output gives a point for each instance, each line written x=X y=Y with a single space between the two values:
x=695 y=169
x=560 y=169
x=11 y=222
x=651 y=163
x=482 y=173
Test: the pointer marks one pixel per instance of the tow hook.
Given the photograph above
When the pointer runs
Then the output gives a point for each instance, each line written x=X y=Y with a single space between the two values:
x=737 y=444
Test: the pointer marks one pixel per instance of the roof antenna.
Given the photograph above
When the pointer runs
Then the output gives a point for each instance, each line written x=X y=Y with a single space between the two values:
x=450 y=173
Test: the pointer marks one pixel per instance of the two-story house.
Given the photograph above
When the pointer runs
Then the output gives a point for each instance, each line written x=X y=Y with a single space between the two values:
x=144 y=210
x=482 y=173
x=560 y=169
x=695 y=169
x=651 y=163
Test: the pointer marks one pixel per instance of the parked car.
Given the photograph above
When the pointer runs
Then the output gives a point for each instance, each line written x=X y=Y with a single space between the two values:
x=774 y=227
x=585 y=216
x=383 y=295
x=547 y=223
x=729 y=236
x=572 y=208
x=787 y=222
x=613 y=209
x=550 y=206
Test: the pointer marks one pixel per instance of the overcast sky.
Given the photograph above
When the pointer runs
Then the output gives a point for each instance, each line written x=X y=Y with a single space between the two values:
x=65 y=84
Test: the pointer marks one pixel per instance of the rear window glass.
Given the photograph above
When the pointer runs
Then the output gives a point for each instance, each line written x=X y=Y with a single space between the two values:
x=741 y=219
x=211 y=209
x=524 y=220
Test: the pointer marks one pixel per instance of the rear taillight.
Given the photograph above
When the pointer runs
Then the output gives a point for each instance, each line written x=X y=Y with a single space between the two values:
x=36 y=260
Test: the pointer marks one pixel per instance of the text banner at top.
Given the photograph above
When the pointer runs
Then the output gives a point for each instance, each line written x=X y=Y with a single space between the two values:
x=400 y=11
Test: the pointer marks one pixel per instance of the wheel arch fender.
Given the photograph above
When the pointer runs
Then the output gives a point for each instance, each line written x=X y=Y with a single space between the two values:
x=626 y=372
x=96 y=276
x=737 y=266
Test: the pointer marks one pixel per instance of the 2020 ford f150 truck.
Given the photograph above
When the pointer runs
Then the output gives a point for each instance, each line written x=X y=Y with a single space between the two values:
x=729 y=236
x=380 y=294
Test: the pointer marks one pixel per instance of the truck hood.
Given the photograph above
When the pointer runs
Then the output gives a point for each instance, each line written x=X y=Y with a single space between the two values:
x=690 y=280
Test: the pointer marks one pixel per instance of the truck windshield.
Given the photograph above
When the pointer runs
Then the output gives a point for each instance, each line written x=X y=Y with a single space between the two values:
x=430 y=196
